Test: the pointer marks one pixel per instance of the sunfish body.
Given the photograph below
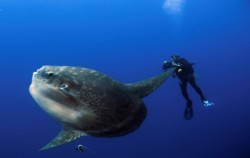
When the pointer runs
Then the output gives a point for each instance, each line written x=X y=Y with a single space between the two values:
x=87 y=102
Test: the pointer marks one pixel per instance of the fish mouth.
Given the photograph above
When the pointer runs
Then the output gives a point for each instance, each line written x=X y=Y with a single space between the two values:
x=35 y=78
x=35 y=84
x=38 y=71
x=36 y=81
x=37 y=75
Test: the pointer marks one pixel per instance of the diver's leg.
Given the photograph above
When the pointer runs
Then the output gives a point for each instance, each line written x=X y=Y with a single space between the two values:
x=188 y=113
x=183 y=86
x=197 y=88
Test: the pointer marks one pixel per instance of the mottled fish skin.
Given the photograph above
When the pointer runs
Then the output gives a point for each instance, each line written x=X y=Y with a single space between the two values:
x=87 y=102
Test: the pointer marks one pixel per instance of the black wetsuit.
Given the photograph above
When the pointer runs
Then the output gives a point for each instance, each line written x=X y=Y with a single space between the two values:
x=185 y=73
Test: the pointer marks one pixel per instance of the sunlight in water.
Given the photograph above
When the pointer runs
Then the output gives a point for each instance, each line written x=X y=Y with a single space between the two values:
x=173 y=6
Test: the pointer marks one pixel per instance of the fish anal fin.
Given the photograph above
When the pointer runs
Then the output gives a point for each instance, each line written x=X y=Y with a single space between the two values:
x=65 y=136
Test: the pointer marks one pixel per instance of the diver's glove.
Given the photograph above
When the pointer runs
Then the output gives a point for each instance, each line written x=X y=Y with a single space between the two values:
x=166 y=65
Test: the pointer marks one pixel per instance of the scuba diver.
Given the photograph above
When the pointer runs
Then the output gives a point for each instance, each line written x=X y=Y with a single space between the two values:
x=185 y=72
x=82 y=148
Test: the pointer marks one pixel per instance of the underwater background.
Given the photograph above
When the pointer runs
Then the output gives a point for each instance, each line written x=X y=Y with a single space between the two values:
x=129 y=40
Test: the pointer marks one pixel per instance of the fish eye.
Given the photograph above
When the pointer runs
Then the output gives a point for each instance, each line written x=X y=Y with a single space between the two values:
x=64 y=86
x=50 y=73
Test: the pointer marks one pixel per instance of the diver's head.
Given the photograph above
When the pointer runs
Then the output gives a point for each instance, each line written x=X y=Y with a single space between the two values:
x=175 y=57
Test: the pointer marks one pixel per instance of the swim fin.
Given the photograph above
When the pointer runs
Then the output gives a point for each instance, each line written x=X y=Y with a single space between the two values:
x=188 y=113
x=207 y=103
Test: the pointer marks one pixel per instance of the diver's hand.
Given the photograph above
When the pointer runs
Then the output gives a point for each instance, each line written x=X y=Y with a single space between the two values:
x=166 y=65
x=176 y=64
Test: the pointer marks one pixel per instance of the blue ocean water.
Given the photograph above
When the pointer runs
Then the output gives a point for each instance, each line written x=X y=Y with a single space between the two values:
x=129 y=40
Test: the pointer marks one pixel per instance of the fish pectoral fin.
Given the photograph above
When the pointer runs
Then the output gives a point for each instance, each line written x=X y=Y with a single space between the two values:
x=65 y=136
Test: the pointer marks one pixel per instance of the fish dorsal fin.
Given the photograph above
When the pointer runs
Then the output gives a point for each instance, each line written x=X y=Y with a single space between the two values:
x=65 y=136
x=145 y=87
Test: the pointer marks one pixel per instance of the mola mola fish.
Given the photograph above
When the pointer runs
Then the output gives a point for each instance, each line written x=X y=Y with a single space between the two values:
x=87 y=102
